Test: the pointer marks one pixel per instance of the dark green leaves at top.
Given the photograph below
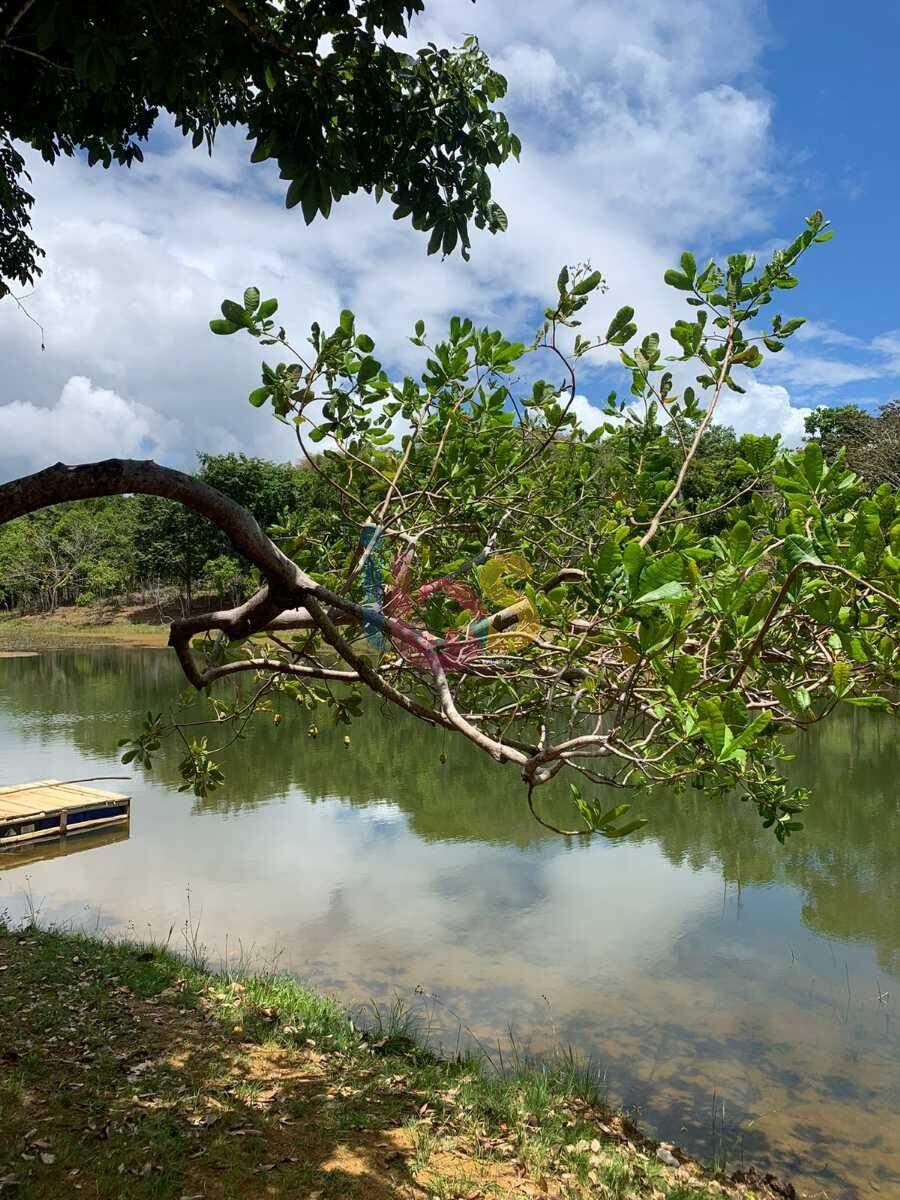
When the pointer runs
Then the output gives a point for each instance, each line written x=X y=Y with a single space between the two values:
x=621 y=328
x=369 y=368
x=677 y=279
x=589 y=284
x=235 y=313
x=223 y=327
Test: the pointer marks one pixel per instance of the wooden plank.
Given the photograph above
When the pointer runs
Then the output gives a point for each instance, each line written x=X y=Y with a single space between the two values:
x=95 y=793
x=50 y=798
x=53 y=798
x=12 y=805
x=75 y=788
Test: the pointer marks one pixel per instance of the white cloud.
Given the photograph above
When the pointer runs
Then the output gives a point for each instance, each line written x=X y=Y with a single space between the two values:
x=589 y=415
x=625 y=112
x=764 y=409
x=814 y=371
x=85 y=423
x=888 y=344
x=827 y=334
x=539 y=78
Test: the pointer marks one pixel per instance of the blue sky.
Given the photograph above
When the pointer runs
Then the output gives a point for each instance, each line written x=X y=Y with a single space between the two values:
x=647 y=128
x=832 y=70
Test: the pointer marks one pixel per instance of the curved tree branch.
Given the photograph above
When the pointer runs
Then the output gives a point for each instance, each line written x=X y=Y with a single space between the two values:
x=290 y=599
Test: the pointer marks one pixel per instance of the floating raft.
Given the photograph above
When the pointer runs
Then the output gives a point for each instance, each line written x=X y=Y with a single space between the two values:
x=31 y=812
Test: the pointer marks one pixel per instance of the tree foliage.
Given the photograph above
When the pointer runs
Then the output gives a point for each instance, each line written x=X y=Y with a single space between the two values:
x=552 y=595
x=871 y=441
x=318 y=87
x=94 y=550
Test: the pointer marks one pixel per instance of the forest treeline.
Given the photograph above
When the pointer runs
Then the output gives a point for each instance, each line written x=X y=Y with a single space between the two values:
x=154 y=551
x=144 y=548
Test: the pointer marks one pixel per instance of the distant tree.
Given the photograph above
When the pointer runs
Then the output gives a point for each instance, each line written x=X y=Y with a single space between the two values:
x=871 y=442
x=316 y=85
x=833 y=428
x=82 y=550
x=176 y=546
x=878 y=454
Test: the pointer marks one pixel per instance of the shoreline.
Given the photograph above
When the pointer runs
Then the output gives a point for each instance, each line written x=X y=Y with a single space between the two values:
x=130 y=1071
x=71 y=628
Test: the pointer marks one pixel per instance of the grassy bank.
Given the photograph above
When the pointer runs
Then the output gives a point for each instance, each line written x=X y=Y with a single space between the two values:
x=126 y=1072
x=89 y=626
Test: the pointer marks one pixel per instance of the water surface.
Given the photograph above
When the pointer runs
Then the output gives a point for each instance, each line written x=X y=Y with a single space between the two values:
x=741 y=996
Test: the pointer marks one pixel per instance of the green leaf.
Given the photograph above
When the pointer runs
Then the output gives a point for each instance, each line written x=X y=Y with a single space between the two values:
x=499 y=219
x=369 y=368
x=259 y=396
x=606 y=559
x=364 y=343
x=295 y=192
x=675 y=279
x=251 y=300
x=715 y=732
x=740 y=539
x=841 y=676
x=234 y=312
x=310 y=204
x=746 y=736
x=685 y=675
x=437 y=237
x=667 y=568
x=223 y=327
x=619 y=322
x=689 y=265
x=666 y=593
x=633 y=558
x=871 y=702
x=813 y=463
x=346 y=321
x=624 y=830
x=799 y=550
x=267 y=309
x=588 y=284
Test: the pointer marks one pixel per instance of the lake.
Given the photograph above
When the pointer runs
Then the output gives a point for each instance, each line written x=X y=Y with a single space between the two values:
x=739 y=996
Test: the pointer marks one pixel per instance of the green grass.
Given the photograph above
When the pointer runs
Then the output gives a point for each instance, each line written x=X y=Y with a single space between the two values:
x=142 y=1075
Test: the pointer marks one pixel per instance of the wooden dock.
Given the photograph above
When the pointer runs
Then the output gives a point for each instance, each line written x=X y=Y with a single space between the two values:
x=30 y=812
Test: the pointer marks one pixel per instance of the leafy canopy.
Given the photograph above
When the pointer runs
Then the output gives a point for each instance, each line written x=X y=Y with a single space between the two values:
x=317 y=86
x=605 y=628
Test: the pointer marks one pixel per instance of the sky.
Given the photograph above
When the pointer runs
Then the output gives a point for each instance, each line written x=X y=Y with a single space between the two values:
x=647 y=128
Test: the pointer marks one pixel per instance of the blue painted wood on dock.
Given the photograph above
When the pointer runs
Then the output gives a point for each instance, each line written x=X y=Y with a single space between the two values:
x=45 y=809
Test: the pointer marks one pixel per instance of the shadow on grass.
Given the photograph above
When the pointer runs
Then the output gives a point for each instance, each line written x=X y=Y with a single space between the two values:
x=115 y=1081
